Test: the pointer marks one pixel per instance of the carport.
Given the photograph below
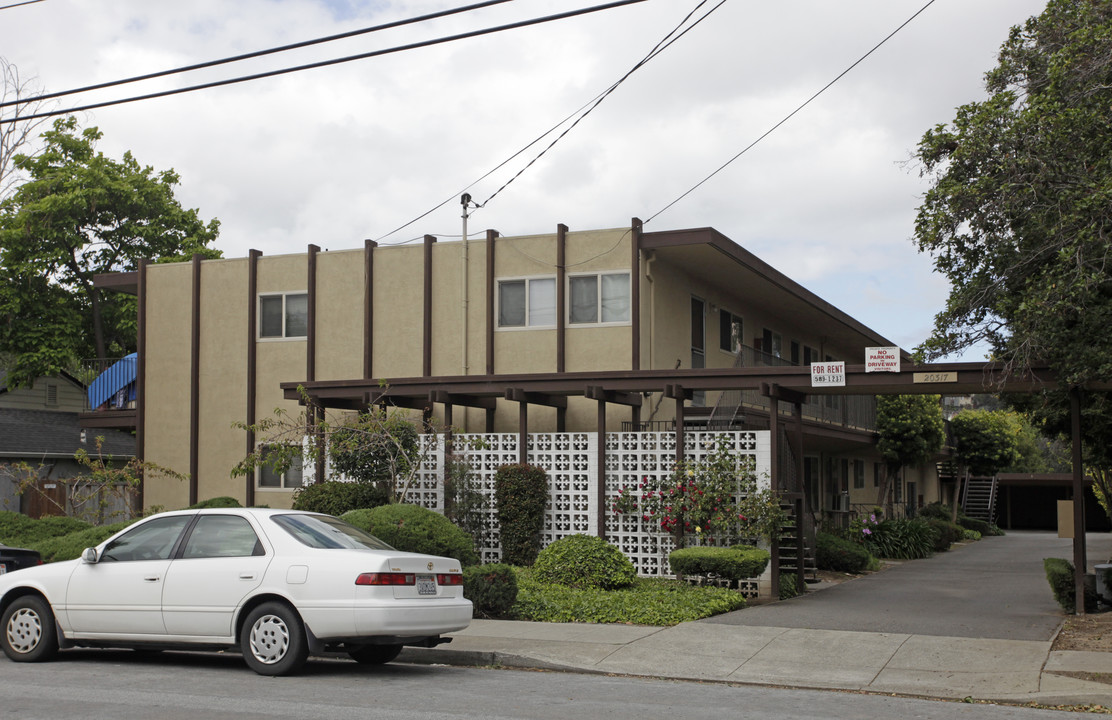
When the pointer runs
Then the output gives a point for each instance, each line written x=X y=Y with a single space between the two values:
x=791 y=385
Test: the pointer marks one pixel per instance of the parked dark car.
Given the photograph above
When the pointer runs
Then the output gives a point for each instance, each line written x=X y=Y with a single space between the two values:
x=17 y=558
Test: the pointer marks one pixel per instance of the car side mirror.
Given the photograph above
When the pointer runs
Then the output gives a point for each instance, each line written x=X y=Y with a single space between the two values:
x=89 y=555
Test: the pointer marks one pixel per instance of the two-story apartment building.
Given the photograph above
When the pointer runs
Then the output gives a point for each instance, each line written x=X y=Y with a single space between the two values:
x=489 y=334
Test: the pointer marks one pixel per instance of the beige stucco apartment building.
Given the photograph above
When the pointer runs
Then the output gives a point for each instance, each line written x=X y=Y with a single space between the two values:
x=502 y=334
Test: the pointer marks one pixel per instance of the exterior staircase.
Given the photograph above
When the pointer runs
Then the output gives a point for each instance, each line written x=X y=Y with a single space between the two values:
x=978 y=498
x=795 y=552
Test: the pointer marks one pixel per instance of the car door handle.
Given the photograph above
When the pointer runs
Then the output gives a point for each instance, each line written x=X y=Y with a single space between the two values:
x=247 y=576
x=152 y=578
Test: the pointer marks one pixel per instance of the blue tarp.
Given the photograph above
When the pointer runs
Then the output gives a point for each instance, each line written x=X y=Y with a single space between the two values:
x=115 y=387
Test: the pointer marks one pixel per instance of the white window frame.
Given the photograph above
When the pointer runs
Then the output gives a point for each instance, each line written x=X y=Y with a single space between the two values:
x=527 y=279
x=283 y=485
x=285 y=330
x=598 y=275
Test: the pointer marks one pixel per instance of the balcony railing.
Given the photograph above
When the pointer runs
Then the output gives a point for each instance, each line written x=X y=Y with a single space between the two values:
x=110 y=383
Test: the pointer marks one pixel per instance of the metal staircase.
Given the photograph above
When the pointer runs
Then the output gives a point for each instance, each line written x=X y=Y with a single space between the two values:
x=796 y=549
x=978 y=498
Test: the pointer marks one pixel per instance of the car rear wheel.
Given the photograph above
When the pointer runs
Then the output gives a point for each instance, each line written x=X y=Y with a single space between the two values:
x=374 y=654
x=273 y=640
x=29 y=632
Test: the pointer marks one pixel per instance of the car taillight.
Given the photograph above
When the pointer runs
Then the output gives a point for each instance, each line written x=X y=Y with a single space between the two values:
x=386 y=579
x=449 y=579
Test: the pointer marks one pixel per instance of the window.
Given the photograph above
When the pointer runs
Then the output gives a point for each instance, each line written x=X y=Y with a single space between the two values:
x=772 y=343
x=267 y=475
x=530 y=302
x=876 y=474
x=328 y=533
x=730 y=332
x=153 y=540
x=858 y=474
x=222 y=536
x=810 y=355
x=599 y=298
x=284 y=315
x=698 y=346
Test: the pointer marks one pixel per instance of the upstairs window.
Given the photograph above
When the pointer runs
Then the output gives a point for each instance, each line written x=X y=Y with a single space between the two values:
x=597 y=299
x=730 y=332
x=529 y=302
x=284 y=315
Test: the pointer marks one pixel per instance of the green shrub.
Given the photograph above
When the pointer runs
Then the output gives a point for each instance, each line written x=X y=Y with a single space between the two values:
x=413 y=528
x=336 y=498
x=492 y=589
x=19 y=530
x=946 y=533
x=69 y=547
x=648 y=601
x=584 y=561
x=902 y=539
x=944 y=512
x=733 y=563
x=224 y=501
x=788 y=586
x=520 y=496
x=970 y=534
x=1059 y=573
x=840 y=555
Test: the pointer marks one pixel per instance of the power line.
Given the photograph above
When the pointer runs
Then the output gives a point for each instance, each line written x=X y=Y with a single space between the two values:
x=653 y=53
x=260 y=53
x=18 y=4
x=792 y=114
x=582 y=111
x=335 y=61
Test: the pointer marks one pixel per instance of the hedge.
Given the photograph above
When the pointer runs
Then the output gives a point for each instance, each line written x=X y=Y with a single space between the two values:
x=1059 y=573
x=584 y=561
x=520 y=496
x=412 y=528
x=839 y=554
x=336 y=498
x=492 y=589
x=733 y=563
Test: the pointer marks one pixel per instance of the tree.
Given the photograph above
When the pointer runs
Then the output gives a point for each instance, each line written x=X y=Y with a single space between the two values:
x=911 y=431
x=16 y=133
x=1017 y=216
x=78 y=215
x=985 y=442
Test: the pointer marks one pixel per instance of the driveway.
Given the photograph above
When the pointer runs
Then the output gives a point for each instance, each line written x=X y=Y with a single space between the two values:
x=993 y=588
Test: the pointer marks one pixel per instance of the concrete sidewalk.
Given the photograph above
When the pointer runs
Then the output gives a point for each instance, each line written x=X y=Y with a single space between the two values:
x=1018 y=671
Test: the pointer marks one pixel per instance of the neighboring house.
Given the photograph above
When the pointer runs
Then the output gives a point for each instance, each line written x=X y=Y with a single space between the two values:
x=39 y=427
x=537 y=333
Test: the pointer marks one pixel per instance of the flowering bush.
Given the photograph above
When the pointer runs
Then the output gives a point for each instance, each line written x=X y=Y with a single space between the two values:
x=716 y=499
x=625 y=502
x=862 y=530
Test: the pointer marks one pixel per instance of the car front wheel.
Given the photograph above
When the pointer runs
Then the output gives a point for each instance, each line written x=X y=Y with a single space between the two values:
x=29 y=632
x=273 y=640
x=374 y=654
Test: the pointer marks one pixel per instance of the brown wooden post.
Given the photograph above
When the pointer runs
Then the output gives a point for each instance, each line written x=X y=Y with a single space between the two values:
x=426 y=350
x=252 y=364
x=368 y=307
x=195 y=382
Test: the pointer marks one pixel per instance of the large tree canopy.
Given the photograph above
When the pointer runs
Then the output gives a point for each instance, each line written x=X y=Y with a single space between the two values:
x=78 y=215
x=911 y=430
x=1019 y=216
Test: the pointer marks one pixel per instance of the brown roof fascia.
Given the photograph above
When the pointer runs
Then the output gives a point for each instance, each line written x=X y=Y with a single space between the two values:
x=939 y=378
x=124 y=282
x=718 y=241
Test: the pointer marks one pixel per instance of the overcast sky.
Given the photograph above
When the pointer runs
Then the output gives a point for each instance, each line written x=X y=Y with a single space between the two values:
x=336 y=155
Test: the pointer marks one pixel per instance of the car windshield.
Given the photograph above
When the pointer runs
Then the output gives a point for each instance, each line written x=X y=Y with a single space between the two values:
x=322 y=531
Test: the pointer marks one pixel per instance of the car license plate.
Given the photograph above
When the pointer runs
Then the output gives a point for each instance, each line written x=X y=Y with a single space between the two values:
x=426 y=585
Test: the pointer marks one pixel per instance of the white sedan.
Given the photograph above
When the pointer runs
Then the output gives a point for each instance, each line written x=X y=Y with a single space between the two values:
x=279 y=584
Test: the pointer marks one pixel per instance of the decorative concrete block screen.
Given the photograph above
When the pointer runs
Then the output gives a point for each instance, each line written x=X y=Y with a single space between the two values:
x=570 y=460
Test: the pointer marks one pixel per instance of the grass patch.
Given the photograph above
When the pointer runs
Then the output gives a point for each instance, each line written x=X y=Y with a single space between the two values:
x=648 y=601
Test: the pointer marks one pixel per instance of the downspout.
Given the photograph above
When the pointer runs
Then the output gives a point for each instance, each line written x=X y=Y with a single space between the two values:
x=465 y=291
